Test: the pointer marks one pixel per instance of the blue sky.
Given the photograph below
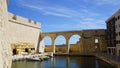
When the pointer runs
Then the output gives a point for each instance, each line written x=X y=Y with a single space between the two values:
x=64 y=15
x=60 y=15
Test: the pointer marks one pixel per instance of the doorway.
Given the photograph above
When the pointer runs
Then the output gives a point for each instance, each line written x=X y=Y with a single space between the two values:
x=26 y=49
x=14 y=51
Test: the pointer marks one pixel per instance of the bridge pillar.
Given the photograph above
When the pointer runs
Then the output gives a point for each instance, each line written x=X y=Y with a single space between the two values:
x=68 y=45
x=53 y=45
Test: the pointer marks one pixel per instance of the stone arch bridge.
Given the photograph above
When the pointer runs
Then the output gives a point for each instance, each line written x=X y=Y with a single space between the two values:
x=84 y=46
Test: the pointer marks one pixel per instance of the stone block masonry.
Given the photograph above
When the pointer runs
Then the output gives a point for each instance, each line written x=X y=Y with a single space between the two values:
x=5 y=50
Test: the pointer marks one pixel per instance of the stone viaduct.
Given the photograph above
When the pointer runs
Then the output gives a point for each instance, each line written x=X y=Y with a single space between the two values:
x=86 y=44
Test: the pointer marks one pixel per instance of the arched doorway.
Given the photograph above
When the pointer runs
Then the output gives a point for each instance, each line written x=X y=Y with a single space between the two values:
x=14 y=51
x=26 y=50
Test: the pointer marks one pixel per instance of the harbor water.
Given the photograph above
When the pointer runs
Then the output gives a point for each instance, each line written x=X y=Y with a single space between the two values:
x=63 y=62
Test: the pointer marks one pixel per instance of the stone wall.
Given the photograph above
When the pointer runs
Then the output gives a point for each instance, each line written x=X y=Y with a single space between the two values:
x=5 y=49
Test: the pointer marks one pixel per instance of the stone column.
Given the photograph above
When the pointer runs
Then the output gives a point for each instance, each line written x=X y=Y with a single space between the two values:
x=53 y=45
x=5 y=48
x=68 y=45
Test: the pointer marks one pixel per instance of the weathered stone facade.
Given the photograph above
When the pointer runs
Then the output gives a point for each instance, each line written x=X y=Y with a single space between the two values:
x=5 y=49
x=113 y=34
x=86 y=45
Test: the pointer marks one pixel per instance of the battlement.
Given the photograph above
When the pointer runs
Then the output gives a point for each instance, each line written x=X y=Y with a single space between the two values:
x=23 y=21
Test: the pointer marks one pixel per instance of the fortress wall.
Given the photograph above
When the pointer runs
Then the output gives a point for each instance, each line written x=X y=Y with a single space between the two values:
x=22 y=20
x=23 y=30
x=5 y=51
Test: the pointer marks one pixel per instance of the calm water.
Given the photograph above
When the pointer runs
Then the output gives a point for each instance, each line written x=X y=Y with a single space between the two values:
x=64 y=62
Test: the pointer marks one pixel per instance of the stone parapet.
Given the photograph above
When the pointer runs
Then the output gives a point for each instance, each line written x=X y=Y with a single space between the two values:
x=23 y=21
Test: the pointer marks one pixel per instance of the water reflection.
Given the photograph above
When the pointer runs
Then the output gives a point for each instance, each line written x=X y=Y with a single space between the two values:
x=64 y=62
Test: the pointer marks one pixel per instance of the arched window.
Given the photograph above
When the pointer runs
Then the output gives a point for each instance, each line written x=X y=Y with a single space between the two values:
x=74 y=39
x=96 y=40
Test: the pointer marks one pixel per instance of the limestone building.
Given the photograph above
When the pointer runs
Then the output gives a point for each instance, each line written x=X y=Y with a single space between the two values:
x=113 y=34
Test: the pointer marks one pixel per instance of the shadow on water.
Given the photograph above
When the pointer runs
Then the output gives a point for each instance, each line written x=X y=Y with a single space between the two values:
x=64 y=62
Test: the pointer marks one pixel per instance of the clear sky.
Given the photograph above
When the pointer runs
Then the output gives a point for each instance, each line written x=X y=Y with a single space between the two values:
x=64 y=15
x=60 y=15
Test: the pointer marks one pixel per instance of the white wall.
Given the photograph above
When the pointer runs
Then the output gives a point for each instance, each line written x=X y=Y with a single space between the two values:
x=21 y=30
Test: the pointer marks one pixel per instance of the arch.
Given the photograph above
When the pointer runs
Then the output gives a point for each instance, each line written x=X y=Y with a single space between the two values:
x=60 y=40
x=47 y=41
x=74 y=39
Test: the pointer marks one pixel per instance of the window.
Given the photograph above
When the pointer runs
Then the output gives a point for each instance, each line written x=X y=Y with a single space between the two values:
x=96 y=41
x=118 y=17
x=115 y=19
x=119 y=42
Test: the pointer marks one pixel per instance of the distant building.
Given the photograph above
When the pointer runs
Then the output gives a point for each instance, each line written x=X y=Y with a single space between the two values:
x=113 y=34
